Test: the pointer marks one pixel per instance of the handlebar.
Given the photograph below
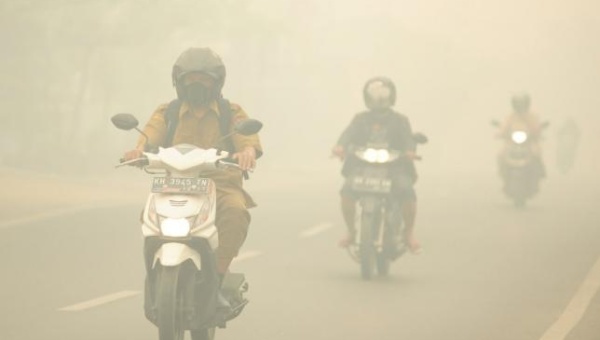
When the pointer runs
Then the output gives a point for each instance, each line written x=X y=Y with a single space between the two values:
x=141 y=162
x=230 y=163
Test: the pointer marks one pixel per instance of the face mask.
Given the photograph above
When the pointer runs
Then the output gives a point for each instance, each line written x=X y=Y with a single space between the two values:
x=198 y=95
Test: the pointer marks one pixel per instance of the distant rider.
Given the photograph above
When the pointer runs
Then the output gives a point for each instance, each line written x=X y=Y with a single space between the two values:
x=380 y=122
x=523 y=119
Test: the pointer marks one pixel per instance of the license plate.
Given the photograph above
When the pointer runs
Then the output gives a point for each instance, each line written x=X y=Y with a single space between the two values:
x=380 y=185
x=171 y=185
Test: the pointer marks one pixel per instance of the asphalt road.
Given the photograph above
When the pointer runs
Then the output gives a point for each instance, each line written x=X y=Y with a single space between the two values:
x=488 y=271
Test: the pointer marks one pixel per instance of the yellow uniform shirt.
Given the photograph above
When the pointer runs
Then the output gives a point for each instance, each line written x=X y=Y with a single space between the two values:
x=201 y=128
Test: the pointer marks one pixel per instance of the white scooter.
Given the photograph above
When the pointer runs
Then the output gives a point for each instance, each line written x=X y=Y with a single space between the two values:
x=180 y=238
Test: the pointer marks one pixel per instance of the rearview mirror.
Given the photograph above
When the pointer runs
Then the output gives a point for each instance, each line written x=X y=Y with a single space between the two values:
x=124 y=121
x=248 y=127
x=420 y=138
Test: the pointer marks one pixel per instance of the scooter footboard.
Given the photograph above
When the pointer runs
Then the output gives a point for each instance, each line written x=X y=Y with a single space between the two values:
x=234 y=286
x=233 y=289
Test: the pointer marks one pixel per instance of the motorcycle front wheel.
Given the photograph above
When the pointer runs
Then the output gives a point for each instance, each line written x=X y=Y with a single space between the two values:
x=366 y=248
x=383 y=264
x=169 y=300
x=204 y=334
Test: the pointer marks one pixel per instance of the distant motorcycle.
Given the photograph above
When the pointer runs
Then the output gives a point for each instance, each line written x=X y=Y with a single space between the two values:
x=520 y=168
x=378 y=219
x=180 y=239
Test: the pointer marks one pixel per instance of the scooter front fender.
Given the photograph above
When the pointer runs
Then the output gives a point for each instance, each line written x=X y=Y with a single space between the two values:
x=173 y=254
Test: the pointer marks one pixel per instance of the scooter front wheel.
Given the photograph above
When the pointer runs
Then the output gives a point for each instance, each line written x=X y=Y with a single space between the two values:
x=169 y=300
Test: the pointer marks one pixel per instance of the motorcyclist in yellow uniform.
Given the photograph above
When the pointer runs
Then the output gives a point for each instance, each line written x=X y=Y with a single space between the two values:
x=198 y=76
x=523 y=119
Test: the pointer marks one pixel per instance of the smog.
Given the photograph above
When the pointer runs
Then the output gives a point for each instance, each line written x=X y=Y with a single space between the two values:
x=490 y=265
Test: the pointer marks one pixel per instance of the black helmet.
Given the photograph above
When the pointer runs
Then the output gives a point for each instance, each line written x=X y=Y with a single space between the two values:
x=198 y=59
x=521 y=102
x=386 y=100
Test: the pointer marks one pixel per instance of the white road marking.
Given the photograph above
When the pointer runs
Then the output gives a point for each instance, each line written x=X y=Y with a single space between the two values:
x=246 y=255
x=315 y=230
x=100 y=301
x=577 y=307
x=130 y=293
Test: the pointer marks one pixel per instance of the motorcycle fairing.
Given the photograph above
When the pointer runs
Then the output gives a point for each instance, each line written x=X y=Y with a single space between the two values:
x=184 y=206
x=173 y=254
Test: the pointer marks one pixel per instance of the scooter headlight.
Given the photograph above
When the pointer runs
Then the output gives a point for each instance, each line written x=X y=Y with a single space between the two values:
x=519 y=137
x=175 y=227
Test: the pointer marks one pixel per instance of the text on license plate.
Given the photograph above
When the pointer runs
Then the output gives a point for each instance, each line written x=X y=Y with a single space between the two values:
x=180 y=185
x=372 y=184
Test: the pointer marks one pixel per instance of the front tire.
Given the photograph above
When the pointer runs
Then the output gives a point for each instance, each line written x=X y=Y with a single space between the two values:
x=383 y=264
x=169 y=300
x=366 y=247
x=205 y=334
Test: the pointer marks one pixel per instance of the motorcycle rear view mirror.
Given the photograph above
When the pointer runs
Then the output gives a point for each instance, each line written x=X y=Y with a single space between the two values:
x=248 y=127
x=125 y=121
x=420 y=138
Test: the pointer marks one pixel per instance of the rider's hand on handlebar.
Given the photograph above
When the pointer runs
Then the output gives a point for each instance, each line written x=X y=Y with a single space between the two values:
x=246 y=158
x=339 y=152
x=413 y=156
x=133 y=154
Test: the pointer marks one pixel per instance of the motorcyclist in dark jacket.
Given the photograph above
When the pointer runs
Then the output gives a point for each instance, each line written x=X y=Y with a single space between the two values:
x=381 y=124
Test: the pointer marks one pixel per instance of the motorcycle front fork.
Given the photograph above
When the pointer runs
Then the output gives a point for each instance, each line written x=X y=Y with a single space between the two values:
x=379 y=228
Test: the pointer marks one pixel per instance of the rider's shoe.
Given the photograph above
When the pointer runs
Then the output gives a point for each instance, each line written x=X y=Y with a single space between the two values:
x=224 y=310
x=347 y=241
x=222 y=303
x=414 y=247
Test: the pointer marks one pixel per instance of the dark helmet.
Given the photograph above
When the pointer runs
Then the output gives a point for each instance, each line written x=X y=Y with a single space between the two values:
x=379 y=93
x=521 y=102
x=198 y=59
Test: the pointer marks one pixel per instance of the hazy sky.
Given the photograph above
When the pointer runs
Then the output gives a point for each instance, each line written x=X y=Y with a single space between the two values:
x=300 y=65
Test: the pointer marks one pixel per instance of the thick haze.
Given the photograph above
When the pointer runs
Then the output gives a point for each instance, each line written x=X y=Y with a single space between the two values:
x=299 y=67
x=69 y=230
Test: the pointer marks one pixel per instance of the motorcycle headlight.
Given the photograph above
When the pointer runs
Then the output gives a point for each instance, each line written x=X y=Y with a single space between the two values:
x=383 y=156
x=370 y=155
x=374 y=155
x=175 y=227
x=519 y=137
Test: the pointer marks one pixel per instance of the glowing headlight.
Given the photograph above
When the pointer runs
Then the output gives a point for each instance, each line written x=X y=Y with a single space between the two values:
x=175 y=227
x=383 y=156
x=370 y=155
x=375 y=155
x=519 y=137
